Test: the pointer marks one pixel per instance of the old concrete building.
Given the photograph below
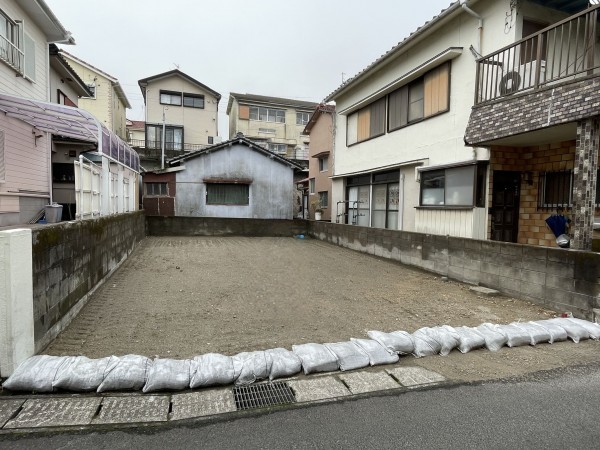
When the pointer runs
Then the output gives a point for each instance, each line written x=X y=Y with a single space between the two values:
x=274 y=122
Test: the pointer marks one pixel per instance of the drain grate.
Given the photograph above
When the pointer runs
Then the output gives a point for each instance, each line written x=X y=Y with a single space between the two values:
x=260 y=395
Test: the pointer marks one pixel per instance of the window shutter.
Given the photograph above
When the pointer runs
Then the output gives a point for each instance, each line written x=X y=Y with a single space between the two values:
x=29 y=50
x=436 y=90
x=364 y=122
x=244 y=112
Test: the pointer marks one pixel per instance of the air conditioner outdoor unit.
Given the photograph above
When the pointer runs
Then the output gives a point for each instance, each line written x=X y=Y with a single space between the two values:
x=521 y=79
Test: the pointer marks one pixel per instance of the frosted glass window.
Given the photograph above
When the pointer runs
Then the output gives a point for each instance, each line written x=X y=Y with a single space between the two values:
x=459 y=186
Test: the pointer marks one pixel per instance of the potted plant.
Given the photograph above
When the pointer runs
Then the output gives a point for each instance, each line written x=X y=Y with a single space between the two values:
x=316 y=207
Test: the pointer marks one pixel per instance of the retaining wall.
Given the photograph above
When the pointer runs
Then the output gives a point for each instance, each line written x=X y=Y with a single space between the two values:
x=71 y=259
x=563 y=280
x=215 y=226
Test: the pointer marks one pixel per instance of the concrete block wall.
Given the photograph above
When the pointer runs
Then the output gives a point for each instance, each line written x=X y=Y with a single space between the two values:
x=216 y=226
x=558 y=279
x=70 y=259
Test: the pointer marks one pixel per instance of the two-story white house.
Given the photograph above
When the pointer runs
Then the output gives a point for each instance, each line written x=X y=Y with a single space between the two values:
x=401 y=161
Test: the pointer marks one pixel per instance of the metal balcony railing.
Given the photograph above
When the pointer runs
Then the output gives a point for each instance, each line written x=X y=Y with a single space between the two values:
x=12 y=55
x=564 y=51
x=157 y=145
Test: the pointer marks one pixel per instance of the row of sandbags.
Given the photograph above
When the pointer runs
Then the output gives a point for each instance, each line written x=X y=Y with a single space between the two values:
x=133 y=372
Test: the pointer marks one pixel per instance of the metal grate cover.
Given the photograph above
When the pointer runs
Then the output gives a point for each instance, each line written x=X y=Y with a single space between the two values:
x=260 y=395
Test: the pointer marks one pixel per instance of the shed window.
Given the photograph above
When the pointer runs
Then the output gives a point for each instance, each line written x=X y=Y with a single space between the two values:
x=156 y=189
x=227 y=194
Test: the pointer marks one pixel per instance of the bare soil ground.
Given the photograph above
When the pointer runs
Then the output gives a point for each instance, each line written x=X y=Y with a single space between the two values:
x=184 y=296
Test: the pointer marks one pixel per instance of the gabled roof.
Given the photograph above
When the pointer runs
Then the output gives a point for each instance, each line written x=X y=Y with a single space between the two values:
x=269 y=101
x=175 y=72
x=136 y=124
x=44 y=18
x=62 y=67
x=321 y=109
x=115 y=82
x=239 y=139
x=397 y=49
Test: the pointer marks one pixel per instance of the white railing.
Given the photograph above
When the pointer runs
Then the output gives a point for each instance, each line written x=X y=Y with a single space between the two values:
x=11 y=54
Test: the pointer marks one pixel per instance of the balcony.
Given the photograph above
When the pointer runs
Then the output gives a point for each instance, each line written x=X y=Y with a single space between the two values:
x=562 y=52
x=536 y=90
x=152 y=149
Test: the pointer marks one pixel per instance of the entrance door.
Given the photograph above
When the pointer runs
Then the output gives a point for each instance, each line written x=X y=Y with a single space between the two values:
x=505 y=206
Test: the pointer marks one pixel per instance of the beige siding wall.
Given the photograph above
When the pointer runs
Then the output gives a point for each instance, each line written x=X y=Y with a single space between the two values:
x=17 y=85
x=56 y=84
x=198 y=124
x=119 y=116
x=459 y=223
x=321 y=138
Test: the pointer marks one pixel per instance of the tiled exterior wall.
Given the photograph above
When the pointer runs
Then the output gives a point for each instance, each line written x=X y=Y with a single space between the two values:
x=522 y=113
x=538 y=159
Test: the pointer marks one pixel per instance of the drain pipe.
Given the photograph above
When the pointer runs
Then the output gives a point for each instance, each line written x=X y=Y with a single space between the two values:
x=463 y=4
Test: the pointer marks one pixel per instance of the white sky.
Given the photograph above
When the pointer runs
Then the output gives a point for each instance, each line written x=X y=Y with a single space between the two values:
x=267 y=47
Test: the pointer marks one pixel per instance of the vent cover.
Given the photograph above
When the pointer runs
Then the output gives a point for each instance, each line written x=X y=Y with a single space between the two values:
x=261 y=395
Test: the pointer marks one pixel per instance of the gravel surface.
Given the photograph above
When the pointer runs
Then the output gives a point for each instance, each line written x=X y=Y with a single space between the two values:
x=184 y=296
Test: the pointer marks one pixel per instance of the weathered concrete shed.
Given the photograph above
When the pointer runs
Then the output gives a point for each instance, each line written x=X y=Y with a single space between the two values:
x=236 y=178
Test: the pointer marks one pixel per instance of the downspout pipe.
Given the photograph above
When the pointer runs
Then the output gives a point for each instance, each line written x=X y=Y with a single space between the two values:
x=463 y=4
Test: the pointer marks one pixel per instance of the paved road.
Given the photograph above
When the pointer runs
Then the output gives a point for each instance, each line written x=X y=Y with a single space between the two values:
x=552 y=410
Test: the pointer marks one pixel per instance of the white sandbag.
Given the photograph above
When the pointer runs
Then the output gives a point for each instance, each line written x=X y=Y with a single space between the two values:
x=469 y=339
x=316 y=358
x=425 y=342
x=399 y=342
x=284 y=363
x=447 y=337
x=81 y=374
x=575 y=332
x=249 y=367
x=172 y=374
x=516 y=336
x=494 y=338
x=125 y=373
x=35 y=374
x=376 y=352
x=557 y=333
x=592 y=328
x=536 y=333
x=349 y=355
x=211 y=369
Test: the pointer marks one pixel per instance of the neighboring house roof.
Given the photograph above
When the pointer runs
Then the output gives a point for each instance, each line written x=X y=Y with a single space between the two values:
x=321 y=109
x=65 y=71
x=238 y=139
x=265 y=100
x=44 y=18
x=397 y=49
x=135 y=124
x=115 y=82
x=144 y=82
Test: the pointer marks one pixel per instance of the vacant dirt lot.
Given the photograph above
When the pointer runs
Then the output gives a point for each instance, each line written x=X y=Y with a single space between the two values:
x=179 y=297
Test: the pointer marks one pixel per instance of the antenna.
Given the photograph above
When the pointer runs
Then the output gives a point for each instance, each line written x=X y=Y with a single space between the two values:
x=343 y=74
x=176 y=65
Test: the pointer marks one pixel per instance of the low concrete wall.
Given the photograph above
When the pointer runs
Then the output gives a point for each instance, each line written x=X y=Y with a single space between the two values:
x=215 y=226
x=559 y=279
x=70 y=260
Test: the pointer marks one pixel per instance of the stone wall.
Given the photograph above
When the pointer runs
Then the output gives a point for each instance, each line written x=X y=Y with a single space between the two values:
x=559 y=279
x=70 y=259
x=215 y=226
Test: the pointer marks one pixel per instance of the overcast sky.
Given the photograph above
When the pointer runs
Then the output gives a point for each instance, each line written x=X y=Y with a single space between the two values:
x=268 y=47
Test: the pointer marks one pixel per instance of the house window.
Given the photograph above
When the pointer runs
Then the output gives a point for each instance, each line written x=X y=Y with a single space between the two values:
x=277 y=148
x=156 y=189
x=170 y=98
x=385 y=201
x=193 y=101
x=302 y=118
x=556 y=189
x=227 y=194
x=323 y=199
x=9 y=43
x=456 y=186
x=267 y=114
x=323 y=164
x=311 y=186
x=173 y=137
x=422 y=98
x=366 y=123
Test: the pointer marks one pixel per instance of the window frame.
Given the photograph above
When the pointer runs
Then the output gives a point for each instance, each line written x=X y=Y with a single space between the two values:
x=478 y=187
x=311 y=186
x=324 y=164
x=187 y=95
x=209 y=185
x=323 y=195
x=274 y=146
x=154 y=184
x=269 y=113
x=302 y=118
x=371 y=106
x=171 y=94
x=158 y=143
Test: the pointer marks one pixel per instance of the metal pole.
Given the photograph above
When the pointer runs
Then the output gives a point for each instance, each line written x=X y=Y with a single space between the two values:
x=162 y=143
